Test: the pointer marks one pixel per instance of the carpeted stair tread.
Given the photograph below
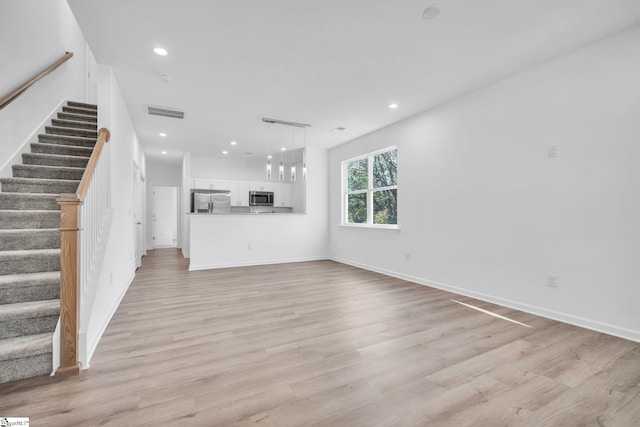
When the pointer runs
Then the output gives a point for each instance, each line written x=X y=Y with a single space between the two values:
x=29 y=261
x=47 y=172
x=16 y=288
x=29 y=201
x=54 y=160
x=78 y=117
x=57 y=130
x=29 y=218
x=66 y=140
x=39 y=185
x=28 y=310
x=63 y=150
x=29 y=345
x=78 y=110
x=16 y=239
x=74 y=124
x=84 y=105
x=46 y=277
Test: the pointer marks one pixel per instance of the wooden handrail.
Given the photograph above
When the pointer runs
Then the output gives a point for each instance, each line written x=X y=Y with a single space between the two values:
x=103 y=137
x=20 y=89
x=69 y=286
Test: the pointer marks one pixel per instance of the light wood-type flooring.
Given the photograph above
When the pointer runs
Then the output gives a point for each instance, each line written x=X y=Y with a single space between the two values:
x=325 y=344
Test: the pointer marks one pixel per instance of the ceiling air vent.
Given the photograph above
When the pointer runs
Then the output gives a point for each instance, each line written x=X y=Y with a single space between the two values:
x=165 y=112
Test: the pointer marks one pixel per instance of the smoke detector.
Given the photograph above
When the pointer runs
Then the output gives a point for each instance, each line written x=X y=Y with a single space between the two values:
x=432 y=12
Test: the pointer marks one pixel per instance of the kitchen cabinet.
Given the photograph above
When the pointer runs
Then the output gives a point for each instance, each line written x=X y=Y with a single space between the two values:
x=239 y=193
x=282 y=195
x=261 y=186
x=202 y=184
x=221 y=185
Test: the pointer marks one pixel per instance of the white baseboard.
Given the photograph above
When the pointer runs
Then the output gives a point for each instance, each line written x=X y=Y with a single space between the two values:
x=539 y=311
x=196 y=267
x=95 y=342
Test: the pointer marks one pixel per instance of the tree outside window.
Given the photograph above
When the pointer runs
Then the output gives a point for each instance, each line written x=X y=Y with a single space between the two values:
x=371 y=189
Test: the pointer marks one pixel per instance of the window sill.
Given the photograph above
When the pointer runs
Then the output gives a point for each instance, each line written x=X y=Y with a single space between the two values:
x=374 y=227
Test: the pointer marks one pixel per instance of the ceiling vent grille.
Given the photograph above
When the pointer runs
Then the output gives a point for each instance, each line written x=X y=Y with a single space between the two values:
x=165 y=112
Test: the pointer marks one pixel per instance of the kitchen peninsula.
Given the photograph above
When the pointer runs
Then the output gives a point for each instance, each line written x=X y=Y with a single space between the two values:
x=240 y=238
x=233 y=223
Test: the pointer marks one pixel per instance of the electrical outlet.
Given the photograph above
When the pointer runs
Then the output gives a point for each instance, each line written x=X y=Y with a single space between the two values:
x=248 y=247
x=407 y=257
x=552 y=151
x=111 y=278
x=552 y=280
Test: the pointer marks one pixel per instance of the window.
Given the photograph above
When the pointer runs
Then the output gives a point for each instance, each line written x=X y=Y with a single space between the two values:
x=370 y=189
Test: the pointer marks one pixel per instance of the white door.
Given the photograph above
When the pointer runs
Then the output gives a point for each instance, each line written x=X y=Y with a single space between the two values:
x=164 y=216
x=138 y=213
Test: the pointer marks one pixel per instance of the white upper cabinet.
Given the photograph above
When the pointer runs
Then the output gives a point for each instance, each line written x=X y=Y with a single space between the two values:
x=282 y=195
x=261 y=186
x=202 y=184
x=221 y=185
x=239 y=193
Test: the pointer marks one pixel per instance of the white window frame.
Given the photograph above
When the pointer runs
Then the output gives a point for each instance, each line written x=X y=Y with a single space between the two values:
x=369 y=191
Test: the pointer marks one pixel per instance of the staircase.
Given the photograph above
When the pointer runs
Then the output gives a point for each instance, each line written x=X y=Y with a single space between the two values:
x=30 y=240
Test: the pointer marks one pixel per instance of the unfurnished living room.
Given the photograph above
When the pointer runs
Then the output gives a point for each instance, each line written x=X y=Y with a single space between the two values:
x=320 y=213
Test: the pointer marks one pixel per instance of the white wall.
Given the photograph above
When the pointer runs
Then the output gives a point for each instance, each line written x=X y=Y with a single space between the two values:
x=32 y=36
x=161 y=174
x=223 y=240
x=118 y=268
x=485 y=213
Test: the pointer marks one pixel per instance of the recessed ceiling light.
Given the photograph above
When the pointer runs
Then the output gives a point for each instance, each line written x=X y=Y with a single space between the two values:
x=269 y=156
x=163 y=134
x=225 y=152
x=160 y=51
x=431 y=12
x=164 y=152
x=393 y=106
x=233 y=143
x=284 y=149
x=166 y=77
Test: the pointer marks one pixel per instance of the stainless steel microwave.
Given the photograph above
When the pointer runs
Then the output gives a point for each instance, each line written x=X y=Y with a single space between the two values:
x=260 y=198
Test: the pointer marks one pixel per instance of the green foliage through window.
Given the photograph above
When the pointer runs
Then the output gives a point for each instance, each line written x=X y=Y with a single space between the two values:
x=371 y=189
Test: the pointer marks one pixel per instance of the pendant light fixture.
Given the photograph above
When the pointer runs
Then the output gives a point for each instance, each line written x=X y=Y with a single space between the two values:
x=293 y=154
x=269 y=155
x=304 y=154
x=281 y=168
x=293 y=162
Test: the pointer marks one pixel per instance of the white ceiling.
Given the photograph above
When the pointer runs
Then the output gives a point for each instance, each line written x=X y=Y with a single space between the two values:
x=328 y=63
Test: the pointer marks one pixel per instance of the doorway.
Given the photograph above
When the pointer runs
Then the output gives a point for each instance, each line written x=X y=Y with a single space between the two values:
x=164 y=216
x=138 y=213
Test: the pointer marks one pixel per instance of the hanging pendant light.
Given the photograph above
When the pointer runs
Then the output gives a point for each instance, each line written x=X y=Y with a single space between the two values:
x=294 y=172
x=304 y=154
x=268 y=169
x=293 y=154
x=281 y=168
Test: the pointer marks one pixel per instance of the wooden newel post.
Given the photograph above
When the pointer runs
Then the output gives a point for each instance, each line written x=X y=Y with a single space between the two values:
x=69 y=227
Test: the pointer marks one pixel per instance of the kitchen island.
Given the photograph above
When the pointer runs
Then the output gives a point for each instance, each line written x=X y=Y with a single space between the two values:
x=219 y=240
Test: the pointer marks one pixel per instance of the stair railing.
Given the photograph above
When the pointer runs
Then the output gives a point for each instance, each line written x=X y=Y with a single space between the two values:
x=6 y=100
x=83 y=211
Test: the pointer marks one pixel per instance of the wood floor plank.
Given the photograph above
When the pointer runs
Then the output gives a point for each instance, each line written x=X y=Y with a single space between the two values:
x=326 y=344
